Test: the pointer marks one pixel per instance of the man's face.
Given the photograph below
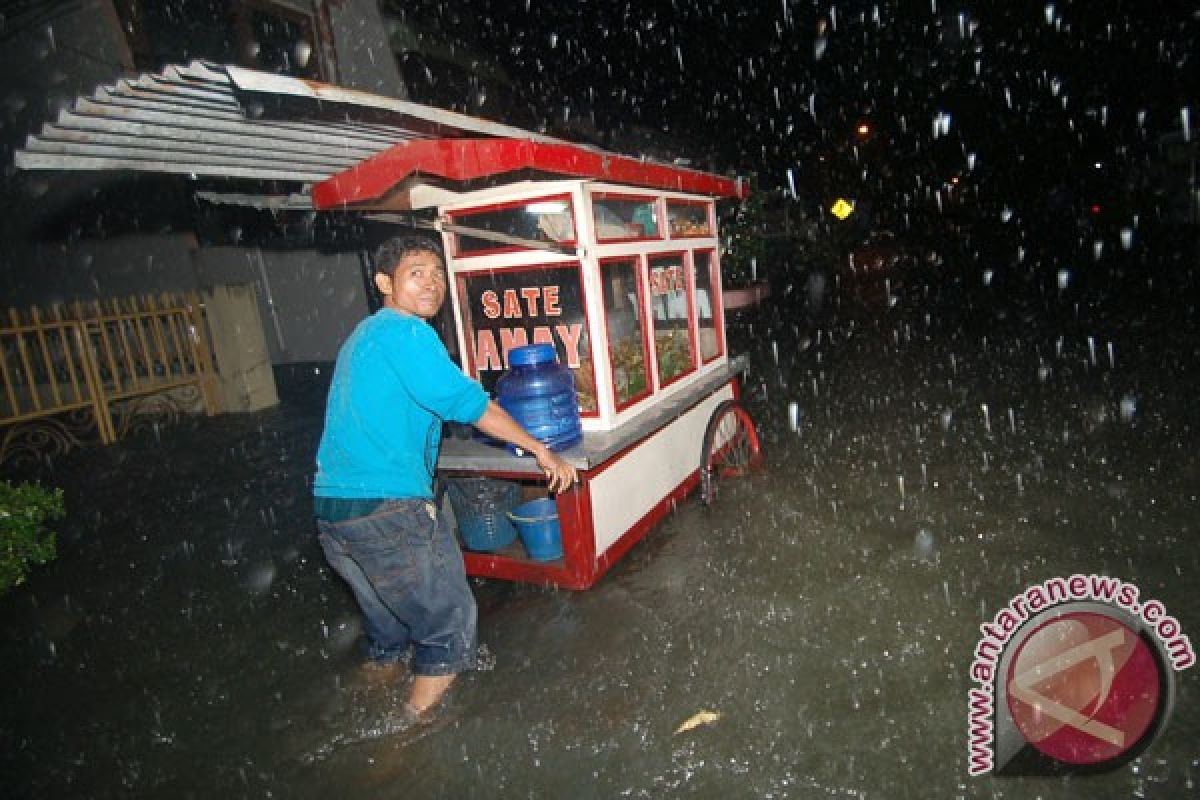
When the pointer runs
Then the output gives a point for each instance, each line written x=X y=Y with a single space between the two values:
x=417 y=286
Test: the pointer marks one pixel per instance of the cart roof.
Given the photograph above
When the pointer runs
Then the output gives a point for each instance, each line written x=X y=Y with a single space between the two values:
x=393 y=179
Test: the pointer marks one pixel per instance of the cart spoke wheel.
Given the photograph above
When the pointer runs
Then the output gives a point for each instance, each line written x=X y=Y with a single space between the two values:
x=731 y=448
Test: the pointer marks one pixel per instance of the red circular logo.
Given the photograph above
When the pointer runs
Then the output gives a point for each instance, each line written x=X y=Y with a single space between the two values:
x=1084 y=688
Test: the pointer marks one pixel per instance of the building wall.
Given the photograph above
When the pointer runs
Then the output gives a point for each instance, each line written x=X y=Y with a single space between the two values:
x=309 y=301
x=364 y=57
x=101 y=268
x=48 y=56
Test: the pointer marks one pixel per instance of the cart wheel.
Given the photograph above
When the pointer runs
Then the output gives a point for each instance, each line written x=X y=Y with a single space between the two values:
x=731 y=448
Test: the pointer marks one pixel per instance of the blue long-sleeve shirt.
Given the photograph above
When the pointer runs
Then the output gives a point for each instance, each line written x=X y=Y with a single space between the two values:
x=393 y=386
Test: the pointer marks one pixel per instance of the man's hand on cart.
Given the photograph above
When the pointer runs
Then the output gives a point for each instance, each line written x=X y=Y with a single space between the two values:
x=497 y=422
x=560 y=474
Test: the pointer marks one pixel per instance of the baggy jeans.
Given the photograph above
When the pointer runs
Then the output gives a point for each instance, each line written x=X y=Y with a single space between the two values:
x=406 y=571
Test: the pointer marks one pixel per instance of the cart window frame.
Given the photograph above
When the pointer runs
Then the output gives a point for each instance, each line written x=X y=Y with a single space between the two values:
x=471 y=333
x=458 y=215
x=677 y=203
x=716 y=308
x=637 y=265
x=683 y=259
x=600 y=197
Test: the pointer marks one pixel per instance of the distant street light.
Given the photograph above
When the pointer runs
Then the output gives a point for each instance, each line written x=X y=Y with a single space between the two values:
x=842 y=208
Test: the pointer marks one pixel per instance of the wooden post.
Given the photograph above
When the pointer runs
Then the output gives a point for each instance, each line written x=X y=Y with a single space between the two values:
x=200 y=338
x=246 y=379
x=100 y=409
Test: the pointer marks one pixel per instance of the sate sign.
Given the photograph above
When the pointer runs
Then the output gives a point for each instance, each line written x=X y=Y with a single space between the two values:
x=518 y=307
x=667 y=279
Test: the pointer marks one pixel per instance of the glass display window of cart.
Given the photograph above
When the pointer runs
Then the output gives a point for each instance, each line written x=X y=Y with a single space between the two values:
x=625 y=327
x=709 y=324
x=509 y=307
x=689 y=219
x=672 y=313
x=545 y=219
x=625 y=218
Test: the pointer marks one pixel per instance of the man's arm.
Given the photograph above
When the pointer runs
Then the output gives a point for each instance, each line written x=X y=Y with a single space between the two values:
x=496 y=422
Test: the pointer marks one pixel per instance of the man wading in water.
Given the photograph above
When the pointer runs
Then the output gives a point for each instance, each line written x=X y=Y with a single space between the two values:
x=393 y=387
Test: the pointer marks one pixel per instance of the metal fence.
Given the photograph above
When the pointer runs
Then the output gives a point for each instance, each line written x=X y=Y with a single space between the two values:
x=68 y=368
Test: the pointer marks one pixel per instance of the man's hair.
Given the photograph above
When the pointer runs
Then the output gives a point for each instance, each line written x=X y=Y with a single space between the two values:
x=389 y=254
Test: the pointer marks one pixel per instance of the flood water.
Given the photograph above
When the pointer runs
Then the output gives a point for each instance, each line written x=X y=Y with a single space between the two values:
x=948 y=453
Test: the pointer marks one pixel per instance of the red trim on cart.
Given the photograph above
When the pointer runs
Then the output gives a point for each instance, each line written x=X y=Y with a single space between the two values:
x=469 y=159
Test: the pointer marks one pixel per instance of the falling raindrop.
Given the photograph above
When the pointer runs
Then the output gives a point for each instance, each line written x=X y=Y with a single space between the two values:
x=941 y=124
x=1128 y=407
x=924 y=545
x=259 y=580
x=302 y=52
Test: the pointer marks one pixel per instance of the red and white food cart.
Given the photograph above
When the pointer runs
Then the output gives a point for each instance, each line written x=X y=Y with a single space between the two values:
x=615 y=261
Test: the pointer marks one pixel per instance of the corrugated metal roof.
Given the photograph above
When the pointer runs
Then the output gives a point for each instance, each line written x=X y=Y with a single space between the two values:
x=207 y=119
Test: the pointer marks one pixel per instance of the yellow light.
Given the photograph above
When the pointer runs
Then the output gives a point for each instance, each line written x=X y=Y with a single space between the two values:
x=842 y=208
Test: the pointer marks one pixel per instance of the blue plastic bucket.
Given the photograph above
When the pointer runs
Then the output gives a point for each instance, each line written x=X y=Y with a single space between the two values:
x=481 y=508
x=537 y=524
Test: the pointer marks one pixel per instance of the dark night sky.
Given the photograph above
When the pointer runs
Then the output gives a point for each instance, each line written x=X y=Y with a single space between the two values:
x=1032 y=89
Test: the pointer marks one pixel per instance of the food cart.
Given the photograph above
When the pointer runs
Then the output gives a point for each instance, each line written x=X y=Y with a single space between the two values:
x=615 y=262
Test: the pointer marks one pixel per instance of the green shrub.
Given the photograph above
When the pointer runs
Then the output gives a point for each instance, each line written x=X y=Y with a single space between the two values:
x=24 y=539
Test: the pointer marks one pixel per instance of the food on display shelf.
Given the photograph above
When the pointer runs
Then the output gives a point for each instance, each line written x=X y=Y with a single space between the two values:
x=629 y=368
x=585 y=384
x=674 y=350
x=682 y=226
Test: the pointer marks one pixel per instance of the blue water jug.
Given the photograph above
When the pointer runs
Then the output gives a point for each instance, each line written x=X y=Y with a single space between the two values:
x=539 y=393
